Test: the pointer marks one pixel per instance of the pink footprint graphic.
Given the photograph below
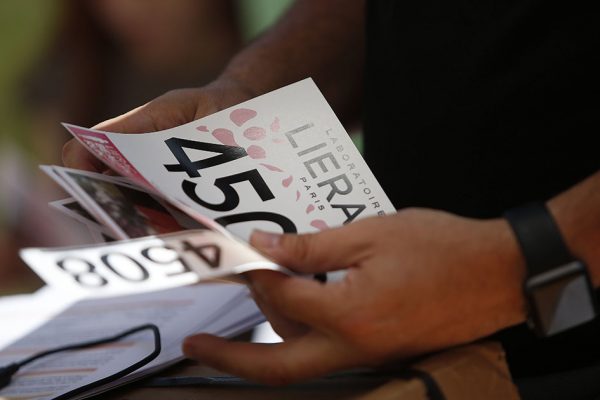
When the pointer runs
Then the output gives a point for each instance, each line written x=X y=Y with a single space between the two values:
x=275 y=125
x=271 y=167
x=241 y=115
x=224 y=136
x=319 y=224
x=287 y=181
x=254 y=133
x=256 y=152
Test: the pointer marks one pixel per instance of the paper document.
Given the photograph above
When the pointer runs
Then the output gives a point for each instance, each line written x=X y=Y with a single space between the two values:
x=216 y=308
x=144 y=264
x=281 y=161
x=181 y=212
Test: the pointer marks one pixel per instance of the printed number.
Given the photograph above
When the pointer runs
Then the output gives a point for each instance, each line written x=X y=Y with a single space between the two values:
x=286 y=224
x=192 y=168
x=209 y=253
x=232 y=198
x=88 y=277
x=105 y=258
x=147 y=254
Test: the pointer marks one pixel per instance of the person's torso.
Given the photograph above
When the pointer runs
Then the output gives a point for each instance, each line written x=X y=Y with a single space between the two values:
x=477 y=106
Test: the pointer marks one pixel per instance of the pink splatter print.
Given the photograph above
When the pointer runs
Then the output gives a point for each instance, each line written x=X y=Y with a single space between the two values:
x=297 y=195
x=99 y=144
x=278 y=140
x=319 y=224
x=275 y=125
x=241 y=115
x=287 y=181
x=271 y=167
x=254 y=133
x=256 y=152
x=224 y=136
x=310 y=208
x=202 y=128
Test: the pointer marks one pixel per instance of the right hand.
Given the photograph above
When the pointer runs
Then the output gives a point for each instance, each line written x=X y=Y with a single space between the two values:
x=174 y=108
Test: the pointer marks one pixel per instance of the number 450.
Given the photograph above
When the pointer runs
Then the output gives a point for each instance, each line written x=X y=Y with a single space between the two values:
x=231 y=200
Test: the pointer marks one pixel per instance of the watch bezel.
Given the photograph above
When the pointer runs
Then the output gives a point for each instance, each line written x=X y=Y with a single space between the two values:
x=571 y=308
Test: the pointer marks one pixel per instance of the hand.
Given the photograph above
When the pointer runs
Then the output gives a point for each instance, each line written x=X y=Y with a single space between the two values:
x=418 y=281
x=174 y=108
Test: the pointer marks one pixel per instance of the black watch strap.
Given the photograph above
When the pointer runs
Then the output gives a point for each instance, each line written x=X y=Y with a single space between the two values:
x=558 y=288
x=539 y=238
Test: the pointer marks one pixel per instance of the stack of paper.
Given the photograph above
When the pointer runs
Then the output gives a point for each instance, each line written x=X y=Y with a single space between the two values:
x=221 y=309
x=180 y=212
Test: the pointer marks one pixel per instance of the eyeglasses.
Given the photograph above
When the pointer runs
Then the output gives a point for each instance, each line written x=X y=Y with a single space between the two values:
x=8 y=371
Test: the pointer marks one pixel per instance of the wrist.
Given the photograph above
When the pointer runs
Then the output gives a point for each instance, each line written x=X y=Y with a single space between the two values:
x=504 y=268
x=581 y=233
x=558 y=289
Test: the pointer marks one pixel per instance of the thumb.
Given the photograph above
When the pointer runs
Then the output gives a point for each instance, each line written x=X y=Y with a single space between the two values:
x=171 y=109
x=328 y=250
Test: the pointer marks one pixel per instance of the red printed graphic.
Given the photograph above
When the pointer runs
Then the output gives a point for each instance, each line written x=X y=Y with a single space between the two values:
x=271 y=167
x=319 y=224
x=101 y=146
x=275 y=125
x=287 y=181
x=225 y=136
x=239 y=116
x=254 y=133
x=256 y=152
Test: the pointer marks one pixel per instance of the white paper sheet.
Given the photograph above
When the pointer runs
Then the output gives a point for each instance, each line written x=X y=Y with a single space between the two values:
x=213 y=308
x=279 y=161
x=145 y=264
x=21 y=314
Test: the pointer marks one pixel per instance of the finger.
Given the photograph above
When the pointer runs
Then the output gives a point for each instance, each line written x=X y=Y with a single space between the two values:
x=172 y=109
x=138 y=120
x=299 y=299
x=283 y=326
x=157 y=115
x=306 y=357
x=75 y=155
x=328 y=250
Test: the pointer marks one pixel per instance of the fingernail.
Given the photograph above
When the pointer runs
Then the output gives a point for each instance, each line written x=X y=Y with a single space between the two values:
x=265 y=241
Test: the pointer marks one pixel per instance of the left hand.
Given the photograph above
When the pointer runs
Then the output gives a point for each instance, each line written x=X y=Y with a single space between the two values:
x=417 y=281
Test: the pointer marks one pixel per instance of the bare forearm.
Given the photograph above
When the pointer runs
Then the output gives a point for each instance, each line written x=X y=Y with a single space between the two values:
x=319 y=39
x=577 y=212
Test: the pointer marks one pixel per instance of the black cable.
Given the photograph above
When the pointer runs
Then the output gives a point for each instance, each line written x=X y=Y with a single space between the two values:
x=8 y=371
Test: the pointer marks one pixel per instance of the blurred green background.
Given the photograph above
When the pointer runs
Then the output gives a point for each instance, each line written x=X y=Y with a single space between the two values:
x=27 y=26
x=82 y=61
x=24 y=31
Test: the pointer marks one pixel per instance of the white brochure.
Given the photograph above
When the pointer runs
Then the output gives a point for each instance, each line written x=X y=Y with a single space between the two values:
x=281 y=161
x=220 y=309
x=145 y=264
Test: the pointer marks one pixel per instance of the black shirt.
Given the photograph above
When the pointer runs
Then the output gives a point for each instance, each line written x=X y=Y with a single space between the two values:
x=477 y=106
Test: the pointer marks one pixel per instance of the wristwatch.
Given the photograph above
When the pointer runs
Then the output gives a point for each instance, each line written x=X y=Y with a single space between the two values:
x=558 y=289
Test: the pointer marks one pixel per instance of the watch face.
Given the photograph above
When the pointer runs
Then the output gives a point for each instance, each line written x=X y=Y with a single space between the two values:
x=560 y=299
